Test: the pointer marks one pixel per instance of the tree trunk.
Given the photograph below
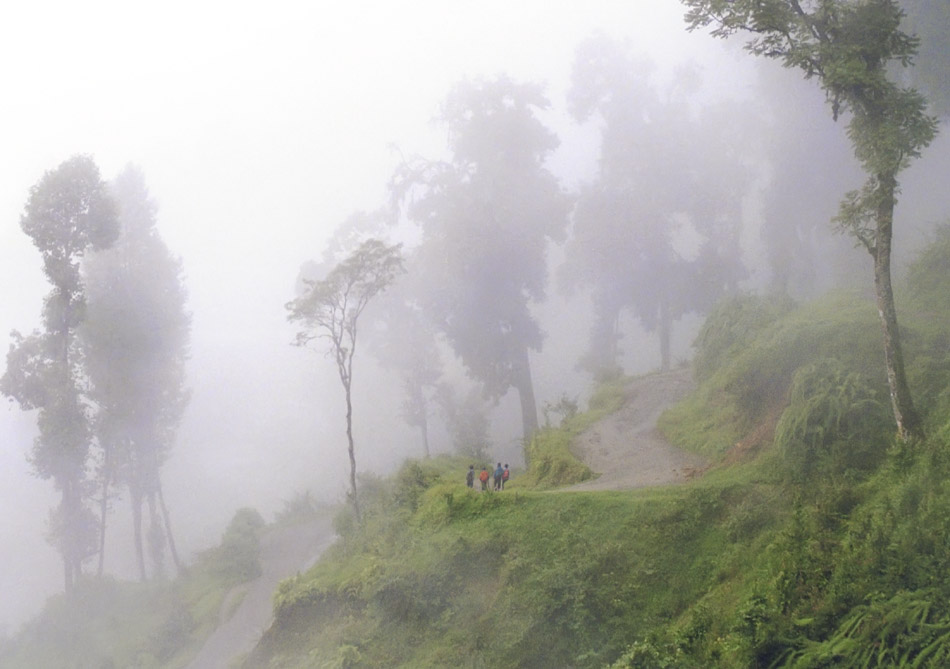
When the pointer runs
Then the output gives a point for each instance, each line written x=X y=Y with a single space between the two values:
x=136 y=499
x=909 y=426
x=525 y=386
x=168 y=530
x=666 y=334
x=103 y=510
x=351 y=449
x=66 y=547
x=424 y=426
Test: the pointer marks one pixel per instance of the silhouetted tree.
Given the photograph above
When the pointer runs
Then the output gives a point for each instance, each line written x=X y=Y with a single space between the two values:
x=136 y=343
x=849 y=47
x=67 y=214
x=657 y=231
x=486 y=218
x=330 y=309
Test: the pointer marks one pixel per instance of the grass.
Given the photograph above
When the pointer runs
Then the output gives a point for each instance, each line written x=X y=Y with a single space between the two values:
x=813 y=540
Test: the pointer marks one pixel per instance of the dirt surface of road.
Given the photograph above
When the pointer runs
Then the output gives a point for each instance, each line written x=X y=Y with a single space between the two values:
x=627 y=450
x=284 y=552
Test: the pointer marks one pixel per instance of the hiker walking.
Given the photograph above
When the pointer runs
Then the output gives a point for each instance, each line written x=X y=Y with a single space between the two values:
x=504 y=476
x=470 y=476
x=483 y=477
x=498 y=473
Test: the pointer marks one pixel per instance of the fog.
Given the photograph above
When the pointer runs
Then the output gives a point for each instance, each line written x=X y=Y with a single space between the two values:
x=258 y=132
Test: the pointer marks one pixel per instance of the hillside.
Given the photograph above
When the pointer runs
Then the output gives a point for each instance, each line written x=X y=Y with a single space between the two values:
x=811 y=540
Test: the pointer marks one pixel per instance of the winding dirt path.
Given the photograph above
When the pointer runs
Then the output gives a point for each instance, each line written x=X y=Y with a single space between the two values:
x=627 y=450
x=284 y=552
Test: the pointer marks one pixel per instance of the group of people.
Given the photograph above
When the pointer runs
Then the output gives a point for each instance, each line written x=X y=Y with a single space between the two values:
x=499 y=476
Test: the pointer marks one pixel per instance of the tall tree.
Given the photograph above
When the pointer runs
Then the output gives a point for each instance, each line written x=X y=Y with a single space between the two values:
x=67 y=214
x=330 y=309
x=849 y=46
x=486 y=217
x=657 y=230
x=406 y=344
x=136 y=343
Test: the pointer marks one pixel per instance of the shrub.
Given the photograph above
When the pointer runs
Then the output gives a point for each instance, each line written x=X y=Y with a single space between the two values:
x=833 y=423
x=734 y=323
x=238 y=556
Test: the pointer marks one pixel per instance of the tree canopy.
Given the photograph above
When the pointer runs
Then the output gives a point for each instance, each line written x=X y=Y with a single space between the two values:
x=850 y=48
x=487 y=217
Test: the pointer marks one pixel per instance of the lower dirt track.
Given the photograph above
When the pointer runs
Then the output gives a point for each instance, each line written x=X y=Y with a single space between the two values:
x=284 y=552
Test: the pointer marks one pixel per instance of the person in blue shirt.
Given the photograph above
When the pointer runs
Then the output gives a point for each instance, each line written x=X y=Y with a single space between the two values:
x=498 y=473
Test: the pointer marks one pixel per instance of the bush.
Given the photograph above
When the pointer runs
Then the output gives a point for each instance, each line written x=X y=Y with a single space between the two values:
x=238 y=556
x=834 y=422
x=734 y=323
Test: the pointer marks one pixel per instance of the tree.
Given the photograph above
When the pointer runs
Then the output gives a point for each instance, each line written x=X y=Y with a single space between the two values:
x=930 y=21
x=136 y=343
x=486 y=219
x=68 y=213
x=330 y=309
x=849 y=47
x=668 y=174
x=406 y=344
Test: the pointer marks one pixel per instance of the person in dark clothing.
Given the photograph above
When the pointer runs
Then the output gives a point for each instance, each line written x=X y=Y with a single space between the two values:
x=470 y=477
x=498 y=472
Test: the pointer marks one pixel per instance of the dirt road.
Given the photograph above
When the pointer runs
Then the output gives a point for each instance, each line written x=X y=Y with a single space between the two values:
x=626 y=449
x=284 y=552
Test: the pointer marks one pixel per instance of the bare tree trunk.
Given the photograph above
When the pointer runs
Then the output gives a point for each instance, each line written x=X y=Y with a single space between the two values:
x=103 y=510
x=351 y=450
x=168 y=530
x=136 y=499
x=909 y=425
x=666 y=334
x=424 y=426
x=65 y=540
x=525 y=386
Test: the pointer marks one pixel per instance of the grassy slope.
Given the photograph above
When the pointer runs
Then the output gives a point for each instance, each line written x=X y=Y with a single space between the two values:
x=108 y=623
x=815 y=542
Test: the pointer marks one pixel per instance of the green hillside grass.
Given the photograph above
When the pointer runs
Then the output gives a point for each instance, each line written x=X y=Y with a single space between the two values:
x=813 y=541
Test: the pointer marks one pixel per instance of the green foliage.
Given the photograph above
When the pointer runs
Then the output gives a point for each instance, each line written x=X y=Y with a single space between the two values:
x=237 y=558
x=927 y=299
x=550 y=461
x=833 y=423
x=731 y=325
x=754 y=351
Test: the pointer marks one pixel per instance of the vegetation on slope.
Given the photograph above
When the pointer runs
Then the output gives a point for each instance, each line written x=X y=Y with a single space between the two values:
x=815 y=542
x=108 y=623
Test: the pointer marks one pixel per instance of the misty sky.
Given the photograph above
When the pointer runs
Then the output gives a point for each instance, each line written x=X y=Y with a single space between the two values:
x=259 y=127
